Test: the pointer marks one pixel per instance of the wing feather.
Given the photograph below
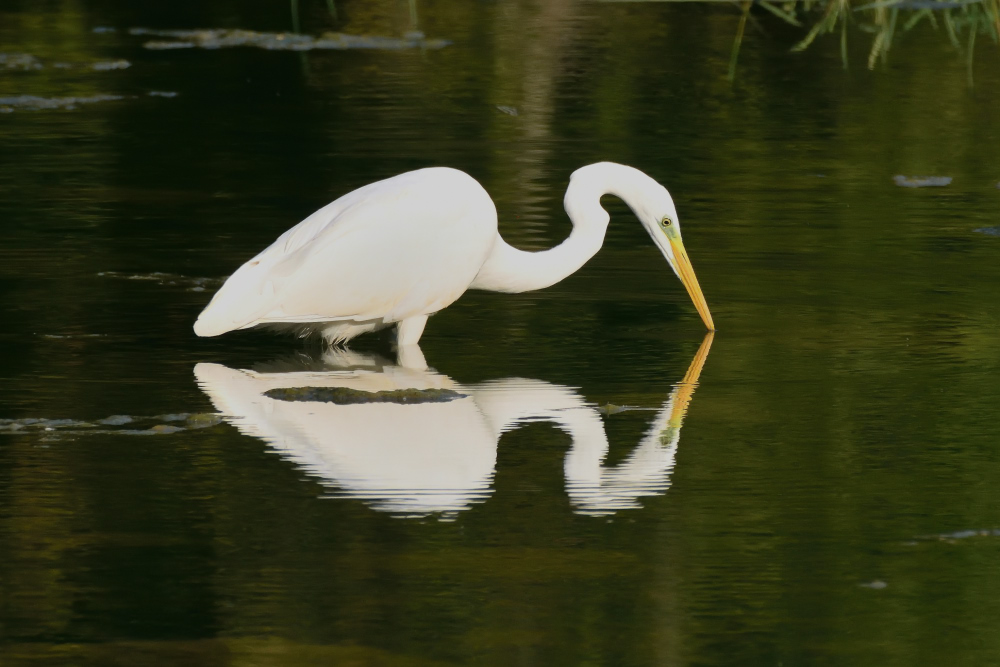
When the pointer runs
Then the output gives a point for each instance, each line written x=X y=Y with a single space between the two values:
x=408 y=245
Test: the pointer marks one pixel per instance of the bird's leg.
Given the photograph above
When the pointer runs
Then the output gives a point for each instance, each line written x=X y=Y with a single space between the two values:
x=411 y=357
x=409 y=330
x=408 y=353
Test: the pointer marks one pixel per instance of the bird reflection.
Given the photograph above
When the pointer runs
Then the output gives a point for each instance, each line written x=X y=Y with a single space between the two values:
x=412 y=442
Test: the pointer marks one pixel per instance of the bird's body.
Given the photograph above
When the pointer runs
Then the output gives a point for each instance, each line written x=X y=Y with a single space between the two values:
x=351 y=267
x=399 y=250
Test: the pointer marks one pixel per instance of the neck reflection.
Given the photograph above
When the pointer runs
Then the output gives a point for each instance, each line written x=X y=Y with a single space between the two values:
x=412 y=442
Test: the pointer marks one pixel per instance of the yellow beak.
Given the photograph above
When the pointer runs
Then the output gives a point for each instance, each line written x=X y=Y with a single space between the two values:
x=686 y=273
x=685 y=388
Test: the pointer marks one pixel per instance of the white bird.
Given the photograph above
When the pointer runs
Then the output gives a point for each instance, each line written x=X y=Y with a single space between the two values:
x=399 y=250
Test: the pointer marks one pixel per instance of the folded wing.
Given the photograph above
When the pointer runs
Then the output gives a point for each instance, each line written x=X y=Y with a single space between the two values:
x=405 y=246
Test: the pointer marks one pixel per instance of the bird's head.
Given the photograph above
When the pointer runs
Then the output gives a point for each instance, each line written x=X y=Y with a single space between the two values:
x=655 y=209
x=650 y=202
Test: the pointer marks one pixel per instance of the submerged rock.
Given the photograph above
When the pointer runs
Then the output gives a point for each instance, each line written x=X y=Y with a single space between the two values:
x=32 y=103
x=165 y=428
x=106 y=65
x=281 y=41
x=19 y=61
x=921 y=181
x=42 y=424
x=346 y=396
x=962 y=534
x=191 y=283
x=183 y=421
x=203 y=420
x=116 y=420
x=74 y=335
x=26 y=61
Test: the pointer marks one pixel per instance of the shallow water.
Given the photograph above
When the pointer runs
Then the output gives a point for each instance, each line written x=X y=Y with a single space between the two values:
x=821 y=490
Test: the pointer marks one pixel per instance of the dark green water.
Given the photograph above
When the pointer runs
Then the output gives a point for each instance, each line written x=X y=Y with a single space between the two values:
x=815 y=509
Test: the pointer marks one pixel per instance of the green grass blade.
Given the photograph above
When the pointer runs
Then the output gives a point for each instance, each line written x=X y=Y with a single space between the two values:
x=949 y=25
x=831 y=11
x=972 y=47
x=843 y=40
x=916 y=18
x=738 y=40
x=781 y=14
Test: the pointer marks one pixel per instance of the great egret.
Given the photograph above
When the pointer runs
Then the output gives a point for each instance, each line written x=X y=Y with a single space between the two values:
x=399 y=250
x=420 y=458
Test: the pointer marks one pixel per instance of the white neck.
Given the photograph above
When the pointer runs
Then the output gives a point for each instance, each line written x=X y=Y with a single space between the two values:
x=508 y=269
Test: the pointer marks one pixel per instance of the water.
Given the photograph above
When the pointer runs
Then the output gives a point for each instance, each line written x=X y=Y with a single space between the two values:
x=828 y=498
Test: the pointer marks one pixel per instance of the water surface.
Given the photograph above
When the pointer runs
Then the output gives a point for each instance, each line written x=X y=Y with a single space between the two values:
x=828 y=498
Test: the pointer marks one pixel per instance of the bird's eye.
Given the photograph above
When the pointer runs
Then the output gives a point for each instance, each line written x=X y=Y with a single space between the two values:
x=666 y=222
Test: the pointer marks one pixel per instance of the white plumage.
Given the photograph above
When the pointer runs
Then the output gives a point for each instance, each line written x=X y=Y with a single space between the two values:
x=418 y=458
x=347 y=268
x=399 y=250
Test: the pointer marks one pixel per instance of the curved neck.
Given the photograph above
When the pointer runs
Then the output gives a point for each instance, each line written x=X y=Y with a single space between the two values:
x=508 y=269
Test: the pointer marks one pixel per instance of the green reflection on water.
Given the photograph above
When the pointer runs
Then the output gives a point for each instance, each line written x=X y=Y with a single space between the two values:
x=848 y=409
